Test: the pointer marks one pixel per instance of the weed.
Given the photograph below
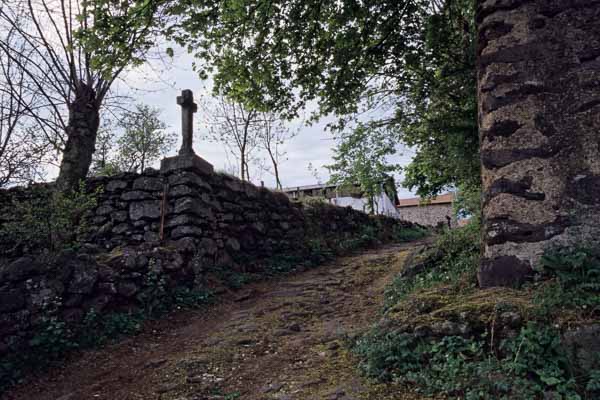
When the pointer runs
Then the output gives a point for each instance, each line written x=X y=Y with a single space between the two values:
x=402 y=234
x=218 y=392
x=453 y=259
x=529 y=363
x=524 y=367
x=570 y=280
x=190 y=298
x=49 y=220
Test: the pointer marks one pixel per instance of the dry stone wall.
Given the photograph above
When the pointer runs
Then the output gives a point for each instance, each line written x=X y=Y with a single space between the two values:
x=219 y=213
x=212 y=222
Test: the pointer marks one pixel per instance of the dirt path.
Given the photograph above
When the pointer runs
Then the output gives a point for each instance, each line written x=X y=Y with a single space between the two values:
x=279 y=340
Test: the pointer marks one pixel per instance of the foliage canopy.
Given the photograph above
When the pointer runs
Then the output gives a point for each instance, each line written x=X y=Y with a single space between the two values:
x=409 y=62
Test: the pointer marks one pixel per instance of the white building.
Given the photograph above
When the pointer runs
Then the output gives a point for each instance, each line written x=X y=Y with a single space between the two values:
x=345 y=197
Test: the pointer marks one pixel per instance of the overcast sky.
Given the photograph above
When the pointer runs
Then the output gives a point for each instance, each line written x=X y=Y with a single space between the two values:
x=159 y=85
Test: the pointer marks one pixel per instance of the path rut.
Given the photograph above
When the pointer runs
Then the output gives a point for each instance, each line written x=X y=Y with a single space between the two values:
x=283 y=339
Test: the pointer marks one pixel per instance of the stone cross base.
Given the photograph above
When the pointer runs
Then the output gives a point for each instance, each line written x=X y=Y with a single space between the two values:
x=186 y=162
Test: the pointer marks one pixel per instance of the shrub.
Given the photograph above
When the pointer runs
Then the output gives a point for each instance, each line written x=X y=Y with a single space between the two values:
x=402 y=234
x=570 y=279
x=526 y=361
x=526 y=367
x=48 y=219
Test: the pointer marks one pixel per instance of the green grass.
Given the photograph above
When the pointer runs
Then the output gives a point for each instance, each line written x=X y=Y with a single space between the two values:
x=489 y=360
x=410 y=234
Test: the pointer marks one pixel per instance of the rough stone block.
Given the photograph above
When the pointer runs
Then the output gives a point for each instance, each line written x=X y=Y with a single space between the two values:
x=180 y=191
x=83 y=280
x=186 y=162
x=120 y=229
x=234 y=185
x=99 y=303
x=98 y=220
x=503 y=271
x=148 y=184
x=208 y=246
x=185 y=231
x=188 y=178
x=104 y=210
x=583 y=346
x=14 y=322
x=136 y=195
x=19 y=269
x=107 y=287
x=183 y=219
x=127 y=289
x=119 y=216
x=148 y=209
x=11 y=300
x=113 y=186
x=193 y=206
x=151 y=237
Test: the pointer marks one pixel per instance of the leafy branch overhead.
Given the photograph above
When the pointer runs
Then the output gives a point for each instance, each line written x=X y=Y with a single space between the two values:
x=409 y=63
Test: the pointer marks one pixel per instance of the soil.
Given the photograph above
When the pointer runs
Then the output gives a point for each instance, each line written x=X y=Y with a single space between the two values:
x=285 y=339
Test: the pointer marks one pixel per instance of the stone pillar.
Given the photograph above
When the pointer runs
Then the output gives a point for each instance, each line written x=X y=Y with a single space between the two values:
x=539 y=119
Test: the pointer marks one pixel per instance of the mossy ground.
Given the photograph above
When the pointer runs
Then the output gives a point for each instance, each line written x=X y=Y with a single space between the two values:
x=442 y=335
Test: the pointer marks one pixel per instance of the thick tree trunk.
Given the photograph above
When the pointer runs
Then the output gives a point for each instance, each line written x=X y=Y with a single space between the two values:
x=539 y=119
x=81 y=138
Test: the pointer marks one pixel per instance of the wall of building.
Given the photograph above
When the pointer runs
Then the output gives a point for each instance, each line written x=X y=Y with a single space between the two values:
x=383 y=204
x=428 y=215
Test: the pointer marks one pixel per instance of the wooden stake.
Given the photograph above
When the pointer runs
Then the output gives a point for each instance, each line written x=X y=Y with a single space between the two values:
x=163 y=212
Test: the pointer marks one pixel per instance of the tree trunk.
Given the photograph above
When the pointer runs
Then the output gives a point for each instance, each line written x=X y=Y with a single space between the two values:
x=275 y=168
x=539 y=118
x=81 y=138
x=277 y=180
x=243 y=164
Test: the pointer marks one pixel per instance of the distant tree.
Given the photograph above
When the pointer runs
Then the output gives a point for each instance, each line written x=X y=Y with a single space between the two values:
x=439 y=118
x=361 y=158
x=144 y=139
x=70 y=53
x=22 y=152
x=314 y=172
x=272 y=138
x=236 y=128
x=103 y=160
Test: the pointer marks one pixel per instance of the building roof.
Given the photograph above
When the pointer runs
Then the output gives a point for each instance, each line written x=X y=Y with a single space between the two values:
x=417 y=201
x=307 y=187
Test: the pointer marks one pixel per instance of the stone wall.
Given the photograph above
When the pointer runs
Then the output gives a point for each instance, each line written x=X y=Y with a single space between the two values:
x=428 y=215
x=219 y=213
x=211 y=223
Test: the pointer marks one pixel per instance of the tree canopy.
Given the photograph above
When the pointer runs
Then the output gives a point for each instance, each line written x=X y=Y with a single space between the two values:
x=361 y=158
x=409 y=63
x=66 y=56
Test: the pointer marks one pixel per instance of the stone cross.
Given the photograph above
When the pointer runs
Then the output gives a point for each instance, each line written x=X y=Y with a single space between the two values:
x=188 y=108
